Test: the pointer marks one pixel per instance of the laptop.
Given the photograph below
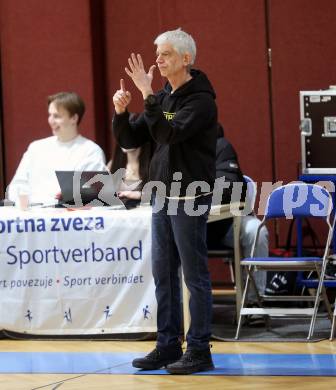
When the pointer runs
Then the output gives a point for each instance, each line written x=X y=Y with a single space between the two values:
x=83 y=187
x=94 y=188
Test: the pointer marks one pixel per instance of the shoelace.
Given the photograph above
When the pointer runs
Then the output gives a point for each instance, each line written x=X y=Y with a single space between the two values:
x=192 y=355
x=188 y=356
x=154 y=354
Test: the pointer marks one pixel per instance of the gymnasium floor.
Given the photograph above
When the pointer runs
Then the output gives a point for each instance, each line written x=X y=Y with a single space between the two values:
x=32 y=364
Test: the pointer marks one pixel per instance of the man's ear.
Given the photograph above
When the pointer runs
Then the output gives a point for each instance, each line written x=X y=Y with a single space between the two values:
x=187 y=58
x=75 y=118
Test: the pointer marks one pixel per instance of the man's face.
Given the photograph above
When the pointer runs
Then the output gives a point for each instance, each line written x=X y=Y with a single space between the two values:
x=60 y=121
x=169 y=61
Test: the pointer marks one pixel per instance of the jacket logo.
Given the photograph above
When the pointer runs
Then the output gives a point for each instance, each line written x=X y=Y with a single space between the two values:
x=169 y=115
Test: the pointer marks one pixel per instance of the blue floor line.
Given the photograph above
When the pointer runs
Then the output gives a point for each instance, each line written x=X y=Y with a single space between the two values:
x=120 y=363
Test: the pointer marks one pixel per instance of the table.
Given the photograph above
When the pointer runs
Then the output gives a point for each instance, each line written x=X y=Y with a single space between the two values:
x=83 y=271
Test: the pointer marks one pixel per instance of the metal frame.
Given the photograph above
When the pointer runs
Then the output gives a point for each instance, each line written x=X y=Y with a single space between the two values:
x=289 y=264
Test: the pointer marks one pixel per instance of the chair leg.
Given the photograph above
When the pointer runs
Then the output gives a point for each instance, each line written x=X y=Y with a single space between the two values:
x=316 y=305
x=319 y=292
x=333 y=327
x=238 y=327
x=324 y=291
x=242 y=305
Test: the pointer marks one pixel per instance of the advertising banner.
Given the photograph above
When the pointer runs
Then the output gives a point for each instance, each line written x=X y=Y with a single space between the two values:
x=76 y=271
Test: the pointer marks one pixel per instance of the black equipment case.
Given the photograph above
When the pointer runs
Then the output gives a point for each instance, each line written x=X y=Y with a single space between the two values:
x=318 y=131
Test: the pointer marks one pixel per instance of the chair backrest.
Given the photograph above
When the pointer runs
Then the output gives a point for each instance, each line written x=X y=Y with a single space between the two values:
x=251 y=193
x=299 y=200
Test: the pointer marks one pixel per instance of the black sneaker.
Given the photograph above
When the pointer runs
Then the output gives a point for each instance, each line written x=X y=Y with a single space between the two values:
x=192 y=361
x=159 y=357
x=278 y=285
x=254 y=320
x=330 y=272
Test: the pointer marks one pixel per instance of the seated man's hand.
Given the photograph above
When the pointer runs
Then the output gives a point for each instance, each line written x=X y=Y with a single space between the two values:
x=129 y=194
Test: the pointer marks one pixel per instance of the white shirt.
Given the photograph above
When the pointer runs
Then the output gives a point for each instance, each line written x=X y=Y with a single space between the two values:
x=45 y=156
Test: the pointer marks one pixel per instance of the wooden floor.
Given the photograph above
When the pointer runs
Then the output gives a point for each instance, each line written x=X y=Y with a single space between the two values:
x=148 y=382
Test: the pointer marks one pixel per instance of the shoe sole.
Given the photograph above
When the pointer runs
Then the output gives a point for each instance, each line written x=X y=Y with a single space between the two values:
x=181 y=371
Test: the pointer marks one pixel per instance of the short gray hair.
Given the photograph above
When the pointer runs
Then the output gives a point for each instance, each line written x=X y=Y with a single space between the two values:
x=180 y=40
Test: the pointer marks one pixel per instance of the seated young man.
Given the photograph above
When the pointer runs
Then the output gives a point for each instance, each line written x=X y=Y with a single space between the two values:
x=65 y=150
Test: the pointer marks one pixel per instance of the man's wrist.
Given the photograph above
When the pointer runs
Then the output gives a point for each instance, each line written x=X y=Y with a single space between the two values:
x=119 y=111
x=145 y=94
x=150 y=100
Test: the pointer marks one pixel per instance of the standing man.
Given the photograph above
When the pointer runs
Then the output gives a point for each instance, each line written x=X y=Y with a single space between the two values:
x=181 y=122
x=65 y=150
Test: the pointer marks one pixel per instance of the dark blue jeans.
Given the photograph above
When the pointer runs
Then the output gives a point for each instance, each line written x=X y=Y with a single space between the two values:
x=181 y=240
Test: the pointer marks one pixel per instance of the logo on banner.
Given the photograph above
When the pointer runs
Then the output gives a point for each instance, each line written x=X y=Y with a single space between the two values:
x=29 y=315
x=67 y=315
x=107 y=312
x=146 y=313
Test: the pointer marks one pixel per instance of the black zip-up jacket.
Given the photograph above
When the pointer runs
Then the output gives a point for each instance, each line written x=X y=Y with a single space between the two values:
x=183 y=127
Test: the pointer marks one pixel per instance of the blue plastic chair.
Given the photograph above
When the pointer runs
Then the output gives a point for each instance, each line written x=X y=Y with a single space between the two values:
x=293 y=200
x=251 y=193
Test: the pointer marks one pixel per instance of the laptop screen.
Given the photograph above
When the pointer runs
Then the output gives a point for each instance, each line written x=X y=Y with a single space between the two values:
x=83 y=187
